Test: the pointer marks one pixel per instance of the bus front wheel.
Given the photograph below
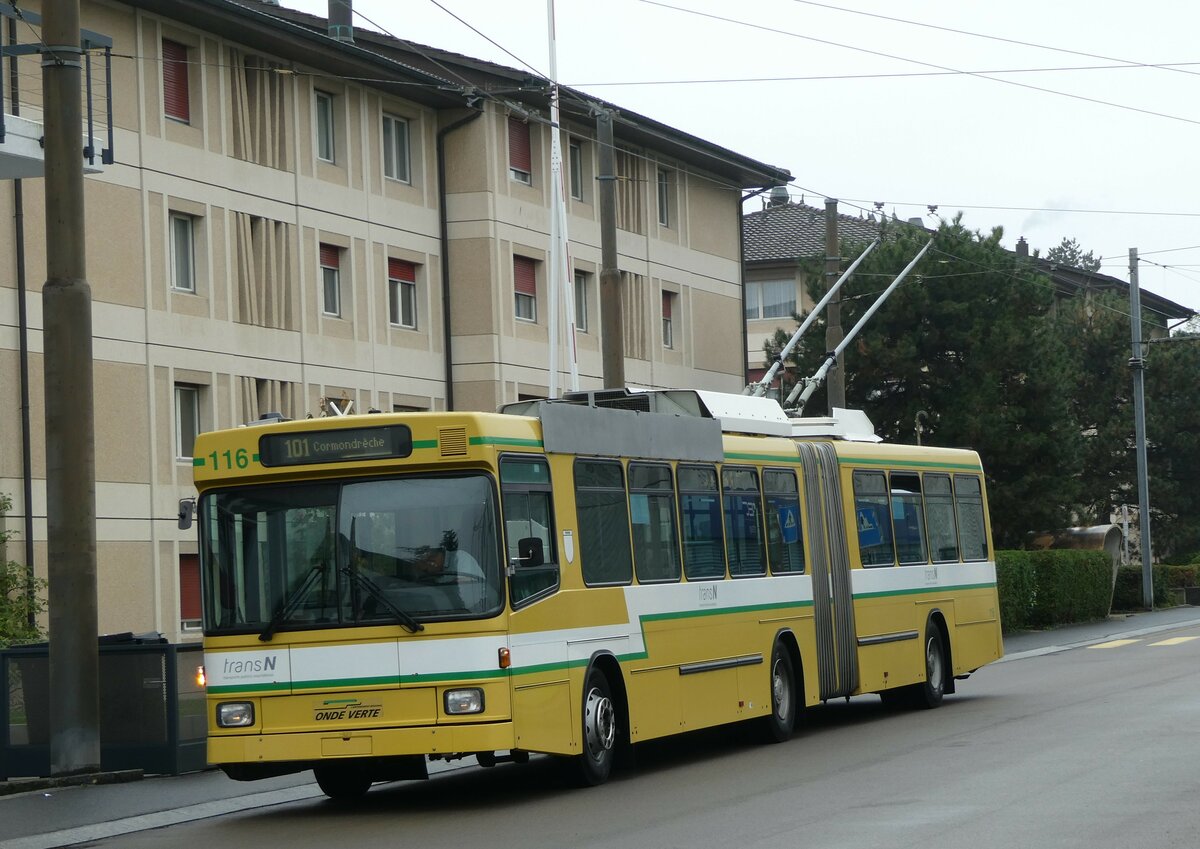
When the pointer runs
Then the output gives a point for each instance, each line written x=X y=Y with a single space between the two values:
x=599 y=731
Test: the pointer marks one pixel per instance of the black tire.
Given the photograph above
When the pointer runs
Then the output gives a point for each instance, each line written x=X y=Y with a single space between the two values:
x=929 y=694
x=343 y=782
x=600 y=731
x=779 y=724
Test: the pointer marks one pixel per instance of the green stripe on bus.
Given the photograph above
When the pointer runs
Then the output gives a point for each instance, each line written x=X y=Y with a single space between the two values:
x=925 y=591
x=923 y=464
x=197 y=462
x=505 y=440
x=764 y=458
x=424 y=443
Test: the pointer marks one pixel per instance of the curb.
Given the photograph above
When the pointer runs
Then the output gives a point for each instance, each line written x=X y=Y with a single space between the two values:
x=25 y=785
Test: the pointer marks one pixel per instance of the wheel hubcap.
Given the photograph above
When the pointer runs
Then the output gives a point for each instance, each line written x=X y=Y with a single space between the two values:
x=781 y=693
x=599 y=723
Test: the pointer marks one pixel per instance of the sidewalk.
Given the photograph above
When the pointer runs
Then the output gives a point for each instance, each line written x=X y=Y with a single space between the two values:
x=45 y=813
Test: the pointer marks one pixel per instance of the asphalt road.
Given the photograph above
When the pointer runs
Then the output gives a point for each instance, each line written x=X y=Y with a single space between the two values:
x=1081 y=747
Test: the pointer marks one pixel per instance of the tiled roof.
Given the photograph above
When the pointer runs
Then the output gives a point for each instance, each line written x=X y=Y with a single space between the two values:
x=795 y=230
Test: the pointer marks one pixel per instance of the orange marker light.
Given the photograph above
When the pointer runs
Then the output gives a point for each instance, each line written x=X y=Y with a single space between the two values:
x=201 y=678
x=505 y=658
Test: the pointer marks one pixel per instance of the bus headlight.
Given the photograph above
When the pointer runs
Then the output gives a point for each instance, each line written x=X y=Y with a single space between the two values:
x=466 y=700
x=235 y=714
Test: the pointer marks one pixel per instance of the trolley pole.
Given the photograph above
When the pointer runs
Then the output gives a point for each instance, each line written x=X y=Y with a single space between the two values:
x=612 y=323
x=1137 y=363
x=70 y=444
x=836 y=387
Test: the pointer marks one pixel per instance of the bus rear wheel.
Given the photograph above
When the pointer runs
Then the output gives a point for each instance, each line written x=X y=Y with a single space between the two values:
x=929 y=694
x=595 y=764
x=343 y=782
x=778 y=725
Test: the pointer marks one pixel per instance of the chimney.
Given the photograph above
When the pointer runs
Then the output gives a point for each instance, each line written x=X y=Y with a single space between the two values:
x=1022 y=247
x=341 y=20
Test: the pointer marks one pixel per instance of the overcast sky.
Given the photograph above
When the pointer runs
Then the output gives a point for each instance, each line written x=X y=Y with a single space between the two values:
x=872 y=111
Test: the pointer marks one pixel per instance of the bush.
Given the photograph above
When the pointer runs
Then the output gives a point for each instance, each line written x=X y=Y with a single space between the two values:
x=1128 y=593
x=1041 y=589
x=15 y=603
x=1017 y=585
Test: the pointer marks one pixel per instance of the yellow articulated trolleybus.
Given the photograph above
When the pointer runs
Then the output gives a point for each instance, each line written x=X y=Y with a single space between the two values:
x=570 y=577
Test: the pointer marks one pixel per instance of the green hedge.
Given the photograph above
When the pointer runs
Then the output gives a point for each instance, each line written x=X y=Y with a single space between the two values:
x=1128 y=593
x=1041 y=589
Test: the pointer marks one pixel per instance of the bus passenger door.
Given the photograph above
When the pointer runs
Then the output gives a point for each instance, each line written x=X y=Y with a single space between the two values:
x=833 y=598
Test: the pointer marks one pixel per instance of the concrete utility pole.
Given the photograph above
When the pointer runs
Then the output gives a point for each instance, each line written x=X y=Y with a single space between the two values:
x=70 y=442
x=836 y=387
x=612 y=324
x=1138 y=364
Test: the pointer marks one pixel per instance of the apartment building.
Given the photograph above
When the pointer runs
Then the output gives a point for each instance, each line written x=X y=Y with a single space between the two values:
x=292 y=222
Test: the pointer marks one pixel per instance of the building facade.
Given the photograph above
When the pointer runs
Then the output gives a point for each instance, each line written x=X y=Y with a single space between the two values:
x=293 y=223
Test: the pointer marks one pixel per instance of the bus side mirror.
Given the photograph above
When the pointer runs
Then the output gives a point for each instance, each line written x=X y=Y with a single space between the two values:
x=187 y=508
x=530 y=552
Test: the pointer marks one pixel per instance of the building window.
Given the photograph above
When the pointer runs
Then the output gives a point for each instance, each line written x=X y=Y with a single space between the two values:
x=520 y=160
x=183 y=258
x=581 y=300
x=575 y=163
x=189 y=591
x=324 y=107
x=331 y=284
x=176 y=100
x=770 y=299
x=668 y=309
x=664 y=197
x=395 y=148
x=187 y=419
x=402 y=293
x=525 y=287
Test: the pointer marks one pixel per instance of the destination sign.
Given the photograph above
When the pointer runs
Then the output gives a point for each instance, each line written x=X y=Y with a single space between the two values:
x=335 y=446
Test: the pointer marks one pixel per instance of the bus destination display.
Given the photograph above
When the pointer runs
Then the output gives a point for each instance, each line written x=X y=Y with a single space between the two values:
x=335 y=446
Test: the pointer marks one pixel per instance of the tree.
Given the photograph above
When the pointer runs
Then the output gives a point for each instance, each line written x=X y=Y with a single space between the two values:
x=967 y=341
x=1173 y=445
x=1069 y=254
x=16 y=604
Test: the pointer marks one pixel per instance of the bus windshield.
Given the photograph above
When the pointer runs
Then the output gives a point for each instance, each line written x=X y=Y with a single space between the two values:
x=313 y=555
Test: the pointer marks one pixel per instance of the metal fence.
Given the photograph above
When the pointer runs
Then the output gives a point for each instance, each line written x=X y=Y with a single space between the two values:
x=152 y=709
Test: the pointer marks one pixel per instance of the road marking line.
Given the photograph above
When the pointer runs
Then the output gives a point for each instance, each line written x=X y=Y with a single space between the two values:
x=1112 y=644
x=1174 y=641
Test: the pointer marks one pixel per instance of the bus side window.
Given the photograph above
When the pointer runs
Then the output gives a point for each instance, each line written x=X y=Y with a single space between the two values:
x=785 y=536
x=528 y=515
x=604 y=554
x=873 y=518
x=743 y=522
x=908 y=519
x=700 y=517
x=939 y=516
x=968 y=495
x=652 y=519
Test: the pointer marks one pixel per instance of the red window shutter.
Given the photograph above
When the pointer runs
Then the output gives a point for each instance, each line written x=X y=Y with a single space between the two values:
x=175 y=80
x=398 y=269
x=518 y=146
x=666 y=309
x=524 y=276
x=189 y=586
x=330 y=256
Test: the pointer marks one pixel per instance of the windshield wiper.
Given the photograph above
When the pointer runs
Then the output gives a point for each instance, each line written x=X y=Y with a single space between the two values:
x=294 y=602
x=373 y=589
